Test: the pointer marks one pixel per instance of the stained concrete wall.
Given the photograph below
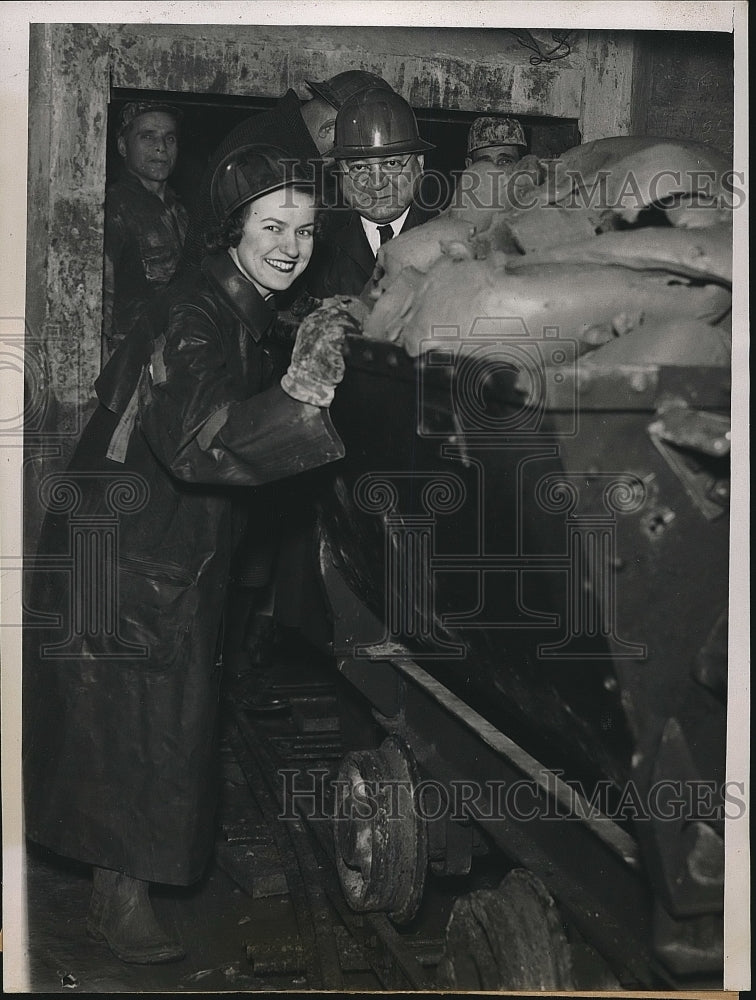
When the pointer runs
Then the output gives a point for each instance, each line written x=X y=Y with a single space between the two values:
x=466 y=70
x=602 y=84
x=691 y=86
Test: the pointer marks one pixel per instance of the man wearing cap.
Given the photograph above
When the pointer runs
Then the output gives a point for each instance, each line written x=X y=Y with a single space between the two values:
x=498 y=140
x=380 y=157
x=145 y=223
x=304 y=129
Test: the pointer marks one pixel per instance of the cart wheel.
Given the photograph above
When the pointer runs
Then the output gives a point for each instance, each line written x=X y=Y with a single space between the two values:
x=510 y=938
x=381 y=841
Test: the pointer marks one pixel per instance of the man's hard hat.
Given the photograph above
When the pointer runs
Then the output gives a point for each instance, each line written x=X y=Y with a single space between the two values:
x=376 y=122
x=495 y=131
x=345 y=85
x=251 y=171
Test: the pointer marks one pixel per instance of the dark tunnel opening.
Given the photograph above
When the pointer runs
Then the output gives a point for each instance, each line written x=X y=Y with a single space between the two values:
x=207 y=118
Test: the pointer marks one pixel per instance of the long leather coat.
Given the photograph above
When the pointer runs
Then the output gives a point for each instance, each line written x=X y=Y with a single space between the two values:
x=345 y=263
x=120 y=708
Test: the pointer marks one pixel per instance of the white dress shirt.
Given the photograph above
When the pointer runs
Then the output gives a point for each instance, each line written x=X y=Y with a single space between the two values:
x=371 y=229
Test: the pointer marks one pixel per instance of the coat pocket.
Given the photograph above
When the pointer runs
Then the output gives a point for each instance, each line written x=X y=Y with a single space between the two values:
x=156 y=611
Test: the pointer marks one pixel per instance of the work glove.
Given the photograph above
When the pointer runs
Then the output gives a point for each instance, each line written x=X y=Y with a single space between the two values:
x=288 y=319
x=317 y=361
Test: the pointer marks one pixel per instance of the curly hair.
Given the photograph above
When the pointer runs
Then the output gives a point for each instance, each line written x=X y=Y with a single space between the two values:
x=229 y=234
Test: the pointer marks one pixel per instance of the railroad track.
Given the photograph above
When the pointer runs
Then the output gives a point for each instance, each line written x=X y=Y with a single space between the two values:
x=493 y=927
x=331 y=940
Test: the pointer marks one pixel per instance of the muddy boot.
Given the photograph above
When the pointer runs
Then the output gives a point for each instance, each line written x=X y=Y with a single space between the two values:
x=121 y=914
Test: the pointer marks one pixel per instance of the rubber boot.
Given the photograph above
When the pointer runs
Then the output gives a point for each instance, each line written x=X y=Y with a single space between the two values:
x=120 y=913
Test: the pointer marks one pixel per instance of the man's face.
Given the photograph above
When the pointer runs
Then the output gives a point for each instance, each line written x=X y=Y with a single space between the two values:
x=500 y=156
x=150 y=148
x=380 y=188
x=320 y=119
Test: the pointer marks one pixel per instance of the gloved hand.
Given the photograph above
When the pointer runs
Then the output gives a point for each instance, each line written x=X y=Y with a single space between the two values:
x=317 y=362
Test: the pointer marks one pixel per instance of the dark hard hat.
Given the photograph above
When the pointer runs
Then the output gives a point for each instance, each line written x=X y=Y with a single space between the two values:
x=251 y=171
x=376 y=122
x=345 y=85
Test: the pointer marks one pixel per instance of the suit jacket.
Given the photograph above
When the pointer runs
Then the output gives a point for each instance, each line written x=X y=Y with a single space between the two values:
x=344 y=264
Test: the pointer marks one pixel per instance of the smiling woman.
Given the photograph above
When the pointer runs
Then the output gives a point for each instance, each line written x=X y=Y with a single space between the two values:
x=275 y=247
x=224 y=406
x=267 y=208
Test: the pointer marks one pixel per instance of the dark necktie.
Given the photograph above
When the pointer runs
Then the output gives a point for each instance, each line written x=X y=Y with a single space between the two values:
x=385 y=233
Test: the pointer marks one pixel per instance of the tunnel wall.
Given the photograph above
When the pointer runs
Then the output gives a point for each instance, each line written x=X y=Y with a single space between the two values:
x=606 y=84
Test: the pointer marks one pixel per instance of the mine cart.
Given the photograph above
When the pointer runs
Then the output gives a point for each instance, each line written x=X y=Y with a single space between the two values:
x=525 y=555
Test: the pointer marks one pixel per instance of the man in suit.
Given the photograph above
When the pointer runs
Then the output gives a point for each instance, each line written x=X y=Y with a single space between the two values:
x=380 y=161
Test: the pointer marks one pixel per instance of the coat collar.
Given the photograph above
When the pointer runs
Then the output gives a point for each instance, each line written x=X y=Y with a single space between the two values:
x=352 y=239
x=128 y=180
x=249 y=307
x=354 y=242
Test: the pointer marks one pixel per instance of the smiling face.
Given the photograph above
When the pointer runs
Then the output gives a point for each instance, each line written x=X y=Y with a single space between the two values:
x=149 y=148
x=277 y=239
